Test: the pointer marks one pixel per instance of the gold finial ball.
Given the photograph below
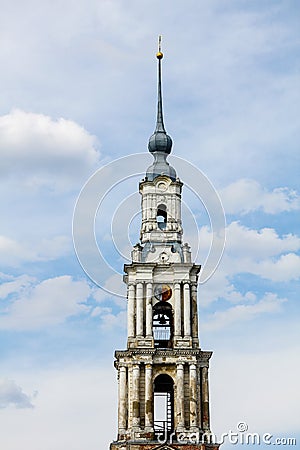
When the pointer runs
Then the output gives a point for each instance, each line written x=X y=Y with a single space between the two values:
x=159 y=55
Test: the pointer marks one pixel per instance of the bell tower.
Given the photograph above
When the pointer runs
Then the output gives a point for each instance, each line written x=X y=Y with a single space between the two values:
x=163 y=393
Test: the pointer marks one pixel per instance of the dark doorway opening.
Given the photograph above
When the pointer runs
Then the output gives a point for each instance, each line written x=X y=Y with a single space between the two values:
x=163 y=406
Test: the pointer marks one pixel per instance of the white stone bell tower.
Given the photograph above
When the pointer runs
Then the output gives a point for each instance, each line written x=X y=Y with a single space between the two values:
x=163 y=373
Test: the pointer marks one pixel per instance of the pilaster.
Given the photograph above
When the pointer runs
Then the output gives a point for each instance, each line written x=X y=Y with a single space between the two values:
x=193 y=398
x=180 y=397
x=187 y=309
x=205 y=399
x=122 y=415
x=136 y=397
x=177 y=313
x=139 y=310
x=131 y=310
x=149 y=293
x=148 y=398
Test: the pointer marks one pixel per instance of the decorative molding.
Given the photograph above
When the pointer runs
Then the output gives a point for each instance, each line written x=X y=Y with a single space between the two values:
x=202 y=356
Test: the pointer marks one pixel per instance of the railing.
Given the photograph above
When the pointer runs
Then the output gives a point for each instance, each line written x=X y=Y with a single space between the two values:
x=161 y=334
x=162 y=428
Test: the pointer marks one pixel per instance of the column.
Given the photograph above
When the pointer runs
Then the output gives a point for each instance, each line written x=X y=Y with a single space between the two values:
x=193 y=395
x=194 y=311
x=147 y=207
x=152 y=213
x=177 y=321
x=139 y=309
x=143 y=207
x=129 y=396
x=187 y=310
x=205 y=399
x=152 y=209
x=130 y=310
x=136 y=395
x=148 y=397
x=199 y=397
x=149 y=310
x=178 y=209
x=174 y=211
x=180 y=397
x=122 y=416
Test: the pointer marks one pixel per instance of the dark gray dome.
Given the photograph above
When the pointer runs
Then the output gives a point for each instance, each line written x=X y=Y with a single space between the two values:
x=160 y=141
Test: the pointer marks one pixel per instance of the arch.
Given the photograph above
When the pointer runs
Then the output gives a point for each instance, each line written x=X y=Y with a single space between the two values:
x=161 y=217
x=163 y=392
x=162 y=325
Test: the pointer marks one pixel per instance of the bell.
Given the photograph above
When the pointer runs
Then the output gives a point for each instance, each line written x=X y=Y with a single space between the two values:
x=162 y=320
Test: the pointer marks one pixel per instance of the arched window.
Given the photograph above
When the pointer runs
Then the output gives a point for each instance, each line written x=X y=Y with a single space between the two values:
x=163 y=406
x=161 y=217
x=162 y=325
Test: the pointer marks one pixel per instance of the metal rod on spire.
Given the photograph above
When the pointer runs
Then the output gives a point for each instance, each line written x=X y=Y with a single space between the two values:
x=159 y=43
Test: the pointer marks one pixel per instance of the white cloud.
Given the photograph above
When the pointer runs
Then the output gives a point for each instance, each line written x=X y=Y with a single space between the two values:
x=108 y=320
x=250 y=244
x=111 y=318
x=243 y=242
x=113 y=321
x=221 y=286
x=47 y=303
x=11 y=285
x=244 y=196
x=262 y=253
x=99 y=311
x=286 y=268
x=12 y=395
x=37 y=150
x=31 y=305
x=113 y=284
x=270 y=303
x=13 y=253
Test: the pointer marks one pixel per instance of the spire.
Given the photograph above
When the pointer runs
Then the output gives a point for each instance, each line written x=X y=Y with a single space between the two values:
x=160 y=141
x=160 y=120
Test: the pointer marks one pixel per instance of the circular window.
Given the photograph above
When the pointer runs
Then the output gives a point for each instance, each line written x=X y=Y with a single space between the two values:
x=162 y=186
x=163 y=292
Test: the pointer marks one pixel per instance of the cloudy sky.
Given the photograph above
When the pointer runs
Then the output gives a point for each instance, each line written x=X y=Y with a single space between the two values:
x=78 y=91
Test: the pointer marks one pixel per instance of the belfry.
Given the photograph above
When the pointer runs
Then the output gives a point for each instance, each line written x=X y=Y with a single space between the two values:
x=163 y=392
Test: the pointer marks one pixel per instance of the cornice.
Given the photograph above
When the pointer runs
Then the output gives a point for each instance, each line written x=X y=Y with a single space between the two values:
x=202 y=356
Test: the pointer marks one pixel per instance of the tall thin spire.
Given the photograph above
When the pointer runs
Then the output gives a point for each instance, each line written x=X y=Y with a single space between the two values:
x=160 y=121
x=160 y=141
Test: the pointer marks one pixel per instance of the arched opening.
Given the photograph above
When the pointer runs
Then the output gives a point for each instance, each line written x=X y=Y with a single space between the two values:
x=163 y=406
x=161 y=217
x=162 y=325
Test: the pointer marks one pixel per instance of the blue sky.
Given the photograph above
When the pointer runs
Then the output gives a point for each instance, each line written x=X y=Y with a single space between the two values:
x=78 y=90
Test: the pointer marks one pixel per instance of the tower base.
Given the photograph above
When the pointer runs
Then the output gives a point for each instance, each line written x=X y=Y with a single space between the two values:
x=158 y=446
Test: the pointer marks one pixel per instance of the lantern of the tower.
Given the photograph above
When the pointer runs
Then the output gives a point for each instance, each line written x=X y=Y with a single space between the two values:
x=163 y=374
